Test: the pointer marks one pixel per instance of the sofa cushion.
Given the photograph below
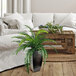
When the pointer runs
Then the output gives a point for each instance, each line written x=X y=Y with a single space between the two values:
x=59 y=17
x=69 y=21
x=42 y=18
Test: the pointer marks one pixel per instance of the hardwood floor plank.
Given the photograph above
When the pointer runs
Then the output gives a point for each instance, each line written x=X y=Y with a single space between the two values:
x=51 y=69
x=67 y=69
x=17 y=72
x=57 y=69
x=24 y=73
x=47 y=71
x=74 y=68
x=37 y=74
x=6 y=73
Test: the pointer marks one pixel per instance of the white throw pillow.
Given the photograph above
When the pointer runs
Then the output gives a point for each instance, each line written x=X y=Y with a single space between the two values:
x=59 y=17
x=42 y=18
x=69 y=21
x=26 y=22
x=13 y=19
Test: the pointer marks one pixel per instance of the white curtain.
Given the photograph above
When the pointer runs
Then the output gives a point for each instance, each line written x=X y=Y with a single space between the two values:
x=0 y=8
x=3 y=7
x=9 y=6
x=21 y=6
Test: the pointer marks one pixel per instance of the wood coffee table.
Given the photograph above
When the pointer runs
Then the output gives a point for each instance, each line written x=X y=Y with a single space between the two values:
x=65 y=41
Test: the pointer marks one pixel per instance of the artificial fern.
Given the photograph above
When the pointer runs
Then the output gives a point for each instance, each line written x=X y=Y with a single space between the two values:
x=34 y=41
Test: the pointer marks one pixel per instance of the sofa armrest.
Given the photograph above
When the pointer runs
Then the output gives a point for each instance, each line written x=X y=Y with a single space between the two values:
x=1 y=29
x=12 y=31
x=3 y=26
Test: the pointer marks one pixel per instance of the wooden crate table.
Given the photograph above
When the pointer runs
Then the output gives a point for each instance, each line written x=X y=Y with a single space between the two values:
x=66 y=40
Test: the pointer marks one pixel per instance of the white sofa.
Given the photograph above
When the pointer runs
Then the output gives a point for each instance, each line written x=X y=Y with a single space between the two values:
x=7 y=58
x=67 y=20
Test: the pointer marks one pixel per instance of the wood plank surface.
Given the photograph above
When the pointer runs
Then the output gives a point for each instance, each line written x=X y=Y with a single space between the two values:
x=67 y=69
x=66 y=39
x=57 y=69
x=73 y=68
x=49 y=69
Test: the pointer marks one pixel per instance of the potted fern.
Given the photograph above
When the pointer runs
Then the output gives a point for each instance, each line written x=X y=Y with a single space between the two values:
x=37 y=52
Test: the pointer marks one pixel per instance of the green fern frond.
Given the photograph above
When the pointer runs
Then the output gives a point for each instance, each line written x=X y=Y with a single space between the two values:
x=19 y=37
x=20 y=48
x=41 y=31
x=33 y=35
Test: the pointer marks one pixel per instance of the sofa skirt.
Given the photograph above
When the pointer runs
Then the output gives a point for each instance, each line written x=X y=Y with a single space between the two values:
x=9 y=59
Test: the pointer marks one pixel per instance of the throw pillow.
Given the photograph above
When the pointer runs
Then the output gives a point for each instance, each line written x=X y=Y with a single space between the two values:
x=13 y=19
x=69 y=21
x=26 y=22
x=59 y=17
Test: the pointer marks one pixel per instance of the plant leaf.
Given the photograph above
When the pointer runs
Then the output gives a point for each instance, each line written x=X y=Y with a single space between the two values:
x=22 y=41
x=19 y=37
x=28 y=58
x=18 y=41
x=40 y=31
x=20 y=48
x=33 y=35
x=25 y=34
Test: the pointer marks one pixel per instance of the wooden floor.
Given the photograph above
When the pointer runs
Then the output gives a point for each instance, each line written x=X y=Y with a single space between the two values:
x=49 y=69
x=57 y=65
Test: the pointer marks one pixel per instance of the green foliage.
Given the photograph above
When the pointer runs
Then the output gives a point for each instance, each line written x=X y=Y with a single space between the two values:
x=54 y=28
x=34 y=41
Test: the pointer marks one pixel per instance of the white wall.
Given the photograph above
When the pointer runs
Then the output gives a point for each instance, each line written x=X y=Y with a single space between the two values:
x=66 y=6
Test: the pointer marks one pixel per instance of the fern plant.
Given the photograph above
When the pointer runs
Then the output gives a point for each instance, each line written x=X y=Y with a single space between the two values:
x=34 y=41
